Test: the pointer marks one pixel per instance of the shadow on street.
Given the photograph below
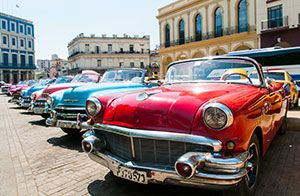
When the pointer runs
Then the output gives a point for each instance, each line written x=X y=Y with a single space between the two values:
x=72 y=142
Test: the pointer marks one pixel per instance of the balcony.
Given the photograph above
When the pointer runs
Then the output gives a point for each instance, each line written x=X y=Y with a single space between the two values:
x=108 y=52
x=210 y=35
x=275 y=23
x=18 y=66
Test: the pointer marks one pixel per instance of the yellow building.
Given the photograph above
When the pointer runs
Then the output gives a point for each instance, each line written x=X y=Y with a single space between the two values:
x=198 y=28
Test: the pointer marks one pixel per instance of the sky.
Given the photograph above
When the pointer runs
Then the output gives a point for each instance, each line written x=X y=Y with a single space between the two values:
x=57 y=22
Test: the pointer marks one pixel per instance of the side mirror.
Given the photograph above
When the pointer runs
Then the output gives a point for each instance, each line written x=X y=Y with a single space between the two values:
x=270 y=82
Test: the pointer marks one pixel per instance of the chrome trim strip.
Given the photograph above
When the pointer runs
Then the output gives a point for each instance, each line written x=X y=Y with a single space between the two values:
x=161 y=135
x=69 y=108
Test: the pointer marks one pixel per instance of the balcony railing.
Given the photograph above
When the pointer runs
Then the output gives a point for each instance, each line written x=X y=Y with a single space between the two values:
x=18 y=66
x=275 y=23
x=210 y=35
x=110 y=52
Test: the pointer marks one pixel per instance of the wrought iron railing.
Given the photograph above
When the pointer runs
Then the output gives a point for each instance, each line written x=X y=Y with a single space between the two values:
x=16 y=66
x=275 y=23
x=210 y=35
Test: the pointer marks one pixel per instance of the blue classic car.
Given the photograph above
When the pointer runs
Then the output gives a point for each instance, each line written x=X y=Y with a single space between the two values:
x=25 y=100
x=66 y=106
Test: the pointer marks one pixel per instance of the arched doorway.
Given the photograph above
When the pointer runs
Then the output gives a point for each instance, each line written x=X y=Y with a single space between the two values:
x=242 y=47
x=198 y=55
x=218 y=52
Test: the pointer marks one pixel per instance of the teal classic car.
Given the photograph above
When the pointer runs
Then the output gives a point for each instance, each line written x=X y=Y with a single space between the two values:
x=68 y=105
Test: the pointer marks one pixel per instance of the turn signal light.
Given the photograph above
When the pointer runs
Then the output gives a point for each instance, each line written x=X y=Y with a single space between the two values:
x=230 y=145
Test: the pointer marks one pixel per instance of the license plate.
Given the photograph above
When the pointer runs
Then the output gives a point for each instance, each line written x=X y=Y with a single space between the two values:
x=66 y=124
x=39 y=110
x=132 y=174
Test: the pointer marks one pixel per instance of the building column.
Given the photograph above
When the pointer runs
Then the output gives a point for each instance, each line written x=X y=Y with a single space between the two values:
x=27 y=75
x=19 y=76
x=1 y=75
x=160 y=34
x=229 y=13
x=206 y=18
x=188 y=25
x=11 y=77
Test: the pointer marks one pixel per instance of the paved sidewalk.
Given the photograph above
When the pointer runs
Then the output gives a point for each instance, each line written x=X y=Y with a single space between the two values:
x=39 y=160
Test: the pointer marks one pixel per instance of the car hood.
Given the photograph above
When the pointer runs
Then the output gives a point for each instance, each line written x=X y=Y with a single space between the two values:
x=77 y=96
x=172 y=107
x=32 y=89
x=56 y=87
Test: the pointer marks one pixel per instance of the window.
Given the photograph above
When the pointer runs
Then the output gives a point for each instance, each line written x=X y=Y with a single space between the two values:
x=121 y=64
x=275 y=18
x=198 y=27
x=109 y=47
x=167 y=36
x=131 y=64
x=87 y=47
x=14 y=59
x=29 y=31
x=13 y=41
x=13 y=26
x=22 y=42
x=131 y=48
x=243 y=16
x=4 y=24
x=98 y=63
x=121 y=50
x=181 y=32
x=23 y=60
x=5 y=59
x=218 y=22
x=21 y=28
x=4 y=40
x=142 y=50
x=97 y=49
x=29 y=44
x=30 y=60
x=142 y=65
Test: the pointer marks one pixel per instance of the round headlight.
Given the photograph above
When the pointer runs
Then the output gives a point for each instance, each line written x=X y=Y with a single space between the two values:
x=93 y=106
x=50 y=100
x=217 y=116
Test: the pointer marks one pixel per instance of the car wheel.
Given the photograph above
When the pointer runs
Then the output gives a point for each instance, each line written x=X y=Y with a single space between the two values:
x=71 y=131
x=248 y=185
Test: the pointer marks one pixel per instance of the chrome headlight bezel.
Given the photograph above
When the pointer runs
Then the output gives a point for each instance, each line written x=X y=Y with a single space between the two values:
x=50 y=101
x=97 y=106
x=32 y=96
x=222 y=110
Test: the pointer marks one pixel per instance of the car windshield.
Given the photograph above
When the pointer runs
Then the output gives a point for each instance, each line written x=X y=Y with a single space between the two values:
x=63 y=79
x=212 y=70
x=85 y=78
x=129 y=75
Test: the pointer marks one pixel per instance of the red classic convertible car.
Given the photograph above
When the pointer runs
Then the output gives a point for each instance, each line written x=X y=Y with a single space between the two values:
x=208 y=125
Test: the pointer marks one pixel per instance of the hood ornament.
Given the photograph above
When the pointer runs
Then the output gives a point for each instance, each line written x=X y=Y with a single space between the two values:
x=145 y=95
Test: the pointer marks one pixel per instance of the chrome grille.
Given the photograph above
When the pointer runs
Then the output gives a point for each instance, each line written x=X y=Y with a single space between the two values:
x=64 y=113
x=26 y=99
x=149 y=151
x=40 y=103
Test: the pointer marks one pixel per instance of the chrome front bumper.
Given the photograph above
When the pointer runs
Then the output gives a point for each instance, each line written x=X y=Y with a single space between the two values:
x=169 y=176
x=71 y=124
x=212 y=170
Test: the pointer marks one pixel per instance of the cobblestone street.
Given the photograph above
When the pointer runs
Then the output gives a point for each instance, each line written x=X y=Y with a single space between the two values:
x=40 y=160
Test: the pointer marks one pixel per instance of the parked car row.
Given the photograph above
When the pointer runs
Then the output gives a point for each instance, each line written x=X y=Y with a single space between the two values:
x=207 y=125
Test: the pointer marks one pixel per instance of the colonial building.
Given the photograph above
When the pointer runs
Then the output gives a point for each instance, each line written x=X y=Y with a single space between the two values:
x=102 y=53
x=16 y=48
x=193 y=28
x=279 y=22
